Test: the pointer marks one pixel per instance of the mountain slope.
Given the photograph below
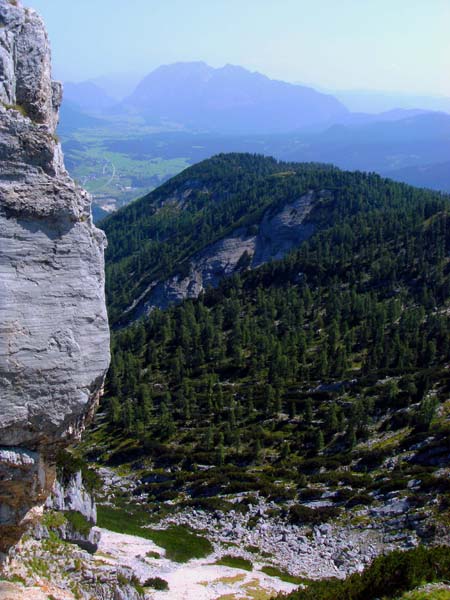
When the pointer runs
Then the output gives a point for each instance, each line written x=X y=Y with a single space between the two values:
x=158 y=246
x=72 y=119
x=302 y=407
x=215 y=219
x=230 y=99
x=88 y=96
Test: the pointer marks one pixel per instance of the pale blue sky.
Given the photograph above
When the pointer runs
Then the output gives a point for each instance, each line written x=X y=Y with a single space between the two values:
x=401 y=45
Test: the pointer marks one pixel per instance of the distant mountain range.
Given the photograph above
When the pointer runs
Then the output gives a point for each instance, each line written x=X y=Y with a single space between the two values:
x=72 y=119
x=192 y=93
x=88 y=96
x=193 y=111
x=230 y=99
x=382 y=146
x=376 y=102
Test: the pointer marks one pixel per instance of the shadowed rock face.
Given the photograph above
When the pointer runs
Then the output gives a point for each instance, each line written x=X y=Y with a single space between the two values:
x=54 y=337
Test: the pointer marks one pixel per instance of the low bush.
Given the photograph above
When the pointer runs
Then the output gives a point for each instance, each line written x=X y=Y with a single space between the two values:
x=303 y=515
x=180 y=544
x=211 y=504
x=157 y=583
x=359 y=499
x=309 y=494
x=387 y=577
x=78 y=522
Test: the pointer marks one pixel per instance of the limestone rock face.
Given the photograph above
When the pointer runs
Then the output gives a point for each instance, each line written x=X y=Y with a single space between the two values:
x=54 y=336
x=277 y=234
x=72 y=495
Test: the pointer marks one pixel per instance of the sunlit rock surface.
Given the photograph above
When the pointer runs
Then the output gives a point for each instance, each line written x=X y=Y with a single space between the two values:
x=54 y=337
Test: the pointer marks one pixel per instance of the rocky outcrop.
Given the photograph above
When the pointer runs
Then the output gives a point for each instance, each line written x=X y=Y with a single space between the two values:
x=54 y=337
x=71 y=497
x=278 y=232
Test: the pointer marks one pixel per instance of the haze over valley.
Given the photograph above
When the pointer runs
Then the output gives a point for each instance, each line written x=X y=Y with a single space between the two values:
x=225 y=300
x=121 y=148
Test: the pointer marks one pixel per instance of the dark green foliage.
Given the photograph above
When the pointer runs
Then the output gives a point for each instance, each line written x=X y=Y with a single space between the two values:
x=78 y=522
x=387 y=577
x=283 y=575
x=69 y=464
x=291 y=366
x=157 y=584
x=180 y=544
x=154 y=237
x=303 y=515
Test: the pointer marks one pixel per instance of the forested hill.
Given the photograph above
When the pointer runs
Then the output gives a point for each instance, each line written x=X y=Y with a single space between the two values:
x=154 y=237
x=328 y=366
x=223 y=215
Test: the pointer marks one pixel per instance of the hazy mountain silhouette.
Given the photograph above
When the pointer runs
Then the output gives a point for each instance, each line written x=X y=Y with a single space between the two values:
x=371 y=101
x=230 y=99
x=88 y=96
x=71 y=119
x=382 y=146
x=434 y=176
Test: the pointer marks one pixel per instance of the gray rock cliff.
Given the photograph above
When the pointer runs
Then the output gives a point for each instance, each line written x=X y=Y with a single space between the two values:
x=54 y=335
x=278 y=232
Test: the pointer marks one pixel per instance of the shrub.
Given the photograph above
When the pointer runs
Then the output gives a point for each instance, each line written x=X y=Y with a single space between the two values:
x=359 y=499
x=157 y=584
x=78 y=522
x=53 y=519
x=303 y=515
x=309 y=494
x=387 y=577
x=68 y=465
x=211 y=504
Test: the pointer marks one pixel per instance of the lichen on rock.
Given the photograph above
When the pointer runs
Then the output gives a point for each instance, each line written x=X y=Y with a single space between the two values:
x=54 y=335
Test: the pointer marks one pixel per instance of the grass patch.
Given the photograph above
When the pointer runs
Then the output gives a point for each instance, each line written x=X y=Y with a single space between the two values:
x=15 y=579
x=129 y=520
x=38 y=566
x=225 y=580
x=180 y=544
x=252 y=549
x=235 y=562
x=254 y=591
x=17 y=107
x=283 y=575
x=53 y=519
